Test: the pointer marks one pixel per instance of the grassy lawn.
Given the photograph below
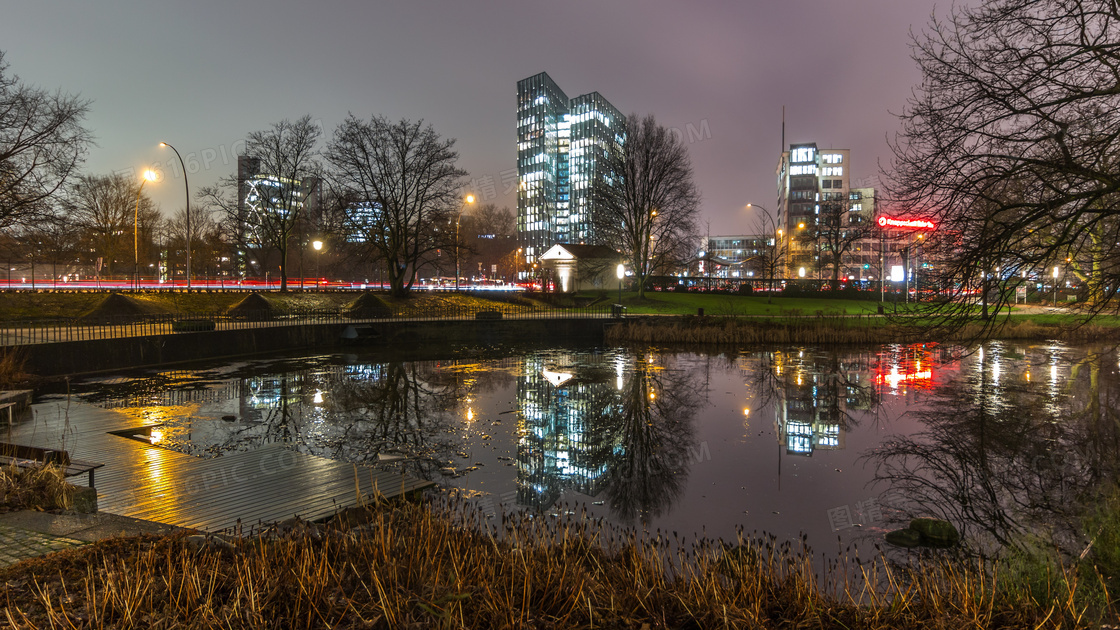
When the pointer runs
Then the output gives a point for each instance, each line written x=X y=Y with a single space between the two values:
x=664 y=303
x=24 y=305
x=20 y=305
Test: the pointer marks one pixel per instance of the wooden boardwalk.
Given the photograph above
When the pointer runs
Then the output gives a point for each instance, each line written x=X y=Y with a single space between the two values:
x=265 y=485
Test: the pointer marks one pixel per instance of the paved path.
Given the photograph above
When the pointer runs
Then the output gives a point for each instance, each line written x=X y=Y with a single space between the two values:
x=26 y=535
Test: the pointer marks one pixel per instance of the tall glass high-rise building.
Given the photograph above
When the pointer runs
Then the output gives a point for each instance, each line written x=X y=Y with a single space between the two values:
x=563 y=147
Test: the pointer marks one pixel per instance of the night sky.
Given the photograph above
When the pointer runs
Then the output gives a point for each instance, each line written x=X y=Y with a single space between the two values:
x=202 y=74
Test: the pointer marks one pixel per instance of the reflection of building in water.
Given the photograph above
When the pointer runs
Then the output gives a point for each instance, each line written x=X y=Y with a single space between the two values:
x=817 y=393
x=811 y=404
x=558 y=448
x=156 y=392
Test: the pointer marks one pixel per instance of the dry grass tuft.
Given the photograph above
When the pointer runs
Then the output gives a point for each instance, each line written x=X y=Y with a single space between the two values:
x=422 y=566
x=13 y=364
x=41 y=488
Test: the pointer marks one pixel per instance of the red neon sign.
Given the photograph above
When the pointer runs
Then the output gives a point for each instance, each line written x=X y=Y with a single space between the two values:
x=909 y=224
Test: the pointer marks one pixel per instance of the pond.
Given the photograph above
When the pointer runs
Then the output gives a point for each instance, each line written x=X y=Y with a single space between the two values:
x=840 y=444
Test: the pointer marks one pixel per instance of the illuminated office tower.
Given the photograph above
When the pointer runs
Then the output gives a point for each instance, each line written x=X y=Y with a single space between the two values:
x=563 y=146
x=260 y=194
x=808 y=179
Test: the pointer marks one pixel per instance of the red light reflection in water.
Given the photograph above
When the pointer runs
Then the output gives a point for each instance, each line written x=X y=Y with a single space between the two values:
x=911 y=366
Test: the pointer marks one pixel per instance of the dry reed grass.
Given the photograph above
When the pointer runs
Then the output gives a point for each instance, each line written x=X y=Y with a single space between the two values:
x=423 y=566
x=13 y=365
x=39 y=488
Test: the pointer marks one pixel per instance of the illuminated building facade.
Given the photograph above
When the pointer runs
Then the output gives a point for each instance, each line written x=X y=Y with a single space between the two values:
x=563 y=146
x=745 y=255
x=809 y=181
x=260 y=193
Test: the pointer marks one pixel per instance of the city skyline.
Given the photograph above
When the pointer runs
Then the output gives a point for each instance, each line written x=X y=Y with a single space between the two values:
x=205 y=75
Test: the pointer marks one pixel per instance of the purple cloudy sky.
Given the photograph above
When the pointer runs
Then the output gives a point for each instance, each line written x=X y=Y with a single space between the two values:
x=202 y=74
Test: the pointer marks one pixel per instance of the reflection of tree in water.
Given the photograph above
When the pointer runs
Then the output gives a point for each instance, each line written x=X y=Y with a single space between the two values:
x=1001 y=457
x=393 y=407
x=654 y=435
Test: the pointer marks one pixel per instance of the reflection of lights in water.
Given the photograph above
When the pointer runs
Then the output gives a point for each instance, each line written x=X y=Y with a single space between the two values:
x=318 y=399
x=746 y=411
x=156 y=436
x=652 y=395
x=556 y=378
x=1027 y=375
x=894 y=378
x=470 y=414
x=618 y=370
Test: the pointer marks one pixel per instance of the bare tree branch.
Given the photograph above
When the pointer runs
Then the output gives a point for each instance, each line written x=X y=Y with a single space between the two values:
x=42 y=144
x=407 y=184
x=650 y=210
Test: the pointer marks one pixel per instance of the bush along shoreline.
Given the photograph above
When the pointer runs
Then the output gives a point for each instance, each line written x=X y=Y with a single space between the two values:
x=443 y=565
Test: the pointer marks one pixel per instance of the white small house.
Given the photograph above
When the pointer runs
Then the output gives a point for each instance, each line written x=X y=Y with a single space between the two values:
x=581 y=267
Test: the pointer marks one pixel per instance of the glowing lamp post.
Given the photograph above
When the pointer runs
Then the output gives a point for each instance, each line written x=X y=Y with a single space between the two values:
x=468 y=200
x=318 y=247
x=187 y=188
x=149 y=176
x=620 y=271
x=1055 y=285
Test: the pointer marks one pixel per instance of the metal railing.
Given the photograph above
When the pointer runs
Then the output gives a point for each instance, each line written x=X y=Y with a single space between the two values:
x=57 y=330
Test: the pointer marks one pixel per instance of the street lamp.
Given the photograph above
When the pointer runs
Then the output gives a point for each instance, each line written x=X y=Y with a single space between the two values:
x=318 y=246
x=149 y=176
x=187 y=188
x=620 y=271
x=771 y=261
x=468 y=200
x=1055 y=285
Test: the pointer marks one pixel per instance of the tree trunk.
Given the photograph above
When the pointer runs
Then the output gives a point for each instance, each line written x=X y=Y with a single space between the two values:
x=396 y=279
x=984 y=297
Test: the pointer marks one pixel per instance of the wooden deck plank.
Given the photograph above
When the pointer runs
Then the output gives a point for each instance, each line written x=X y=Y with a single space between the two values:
x=267 y=484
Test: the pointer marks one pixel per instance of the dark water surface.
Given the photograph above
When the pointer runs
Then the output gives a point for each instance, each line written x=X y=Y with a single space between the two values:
x=839 y=442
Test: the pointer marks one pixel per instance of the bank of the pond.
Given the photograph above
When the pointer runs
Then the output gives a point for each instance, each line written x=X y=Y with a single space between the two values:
x=826 y=330
x=418 y=565
x=99 y=355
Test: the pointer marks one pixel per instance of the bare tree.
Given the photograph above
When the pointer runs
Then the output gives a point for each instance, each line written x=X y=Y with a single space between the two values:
x=771 y=255
x=406 y=182
x=104 y=207
x=42 y=144
x=839 y=230
x=263 y=211
x=650 y=211
x=204 y=234
x=487 y=234
x=1012 y=142
x=59 y=239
